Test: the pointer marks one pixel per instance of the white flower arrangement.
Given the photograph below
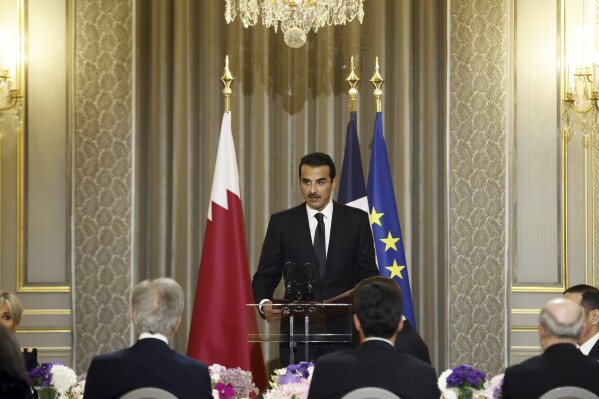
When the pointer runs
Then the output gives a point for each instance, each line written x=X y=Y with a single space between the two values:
x=63 y=378
x=50 y=378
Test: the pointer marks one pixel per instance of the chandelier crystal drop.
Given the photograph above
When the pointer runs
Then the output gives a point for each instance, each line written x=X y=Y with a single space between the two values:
x=296 y=17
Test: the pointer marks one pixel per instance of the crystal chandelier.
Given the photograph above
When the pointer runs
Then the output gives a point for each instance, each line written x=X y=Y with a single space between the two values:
x=297 y=17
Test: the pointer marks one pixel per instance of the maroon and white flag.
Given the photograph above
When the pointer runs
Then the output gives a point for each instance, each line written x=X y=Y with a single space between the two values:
x=220 y=321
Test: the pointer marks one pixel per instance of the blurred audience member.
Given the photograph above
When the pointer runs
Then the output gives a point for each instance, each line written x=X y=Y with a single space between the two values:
x=409 y=341
x=378 y=311
x=14 y=383
x=588 y=342
x=156 y=308
x=561 y=325
x=10 y=316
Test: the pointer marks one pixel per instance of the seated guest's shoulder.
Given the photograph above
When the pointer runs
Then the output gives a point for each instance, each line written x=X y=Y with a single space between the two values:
x=340 y=356
x=189 y=361
x=109 y=357
x=413 y=361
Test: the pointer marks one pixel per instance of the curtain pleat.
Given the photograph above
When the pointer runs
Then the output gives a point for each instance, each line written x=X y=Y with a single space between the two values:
x=286 y=102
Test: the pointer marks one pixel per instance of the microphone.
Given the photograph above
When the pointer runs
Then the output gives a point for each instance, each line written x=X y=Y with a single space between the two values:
x=308 y=293
x=289 y=279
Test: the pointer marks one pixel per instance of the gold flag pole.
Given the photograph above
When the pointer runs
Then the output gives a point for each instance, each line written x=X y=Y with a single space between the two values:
x=227 y=78
x=377 y=80
x=353 y=80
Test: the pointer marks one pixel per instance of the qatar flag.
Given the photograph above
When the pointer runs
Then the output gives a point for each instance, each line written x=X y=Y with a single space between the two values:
x=221 y=321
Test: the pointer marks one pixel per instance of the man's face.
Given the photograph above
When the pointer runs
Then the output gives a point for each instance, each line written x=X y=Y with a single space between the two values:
x=316 y=186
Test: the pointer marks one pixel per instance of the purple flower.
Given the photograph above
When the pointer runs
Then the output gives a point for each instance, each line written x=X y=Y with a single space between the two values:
x=41 y=376
x=466 y=376
x=225 y=391
x=295 y=373
x=289 y=378
x=238 y=380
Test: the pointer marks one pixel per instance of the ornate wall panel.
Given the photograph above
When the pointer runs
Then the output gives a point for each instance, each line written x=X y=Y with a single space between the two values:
x=102 y=176
x=477 y=187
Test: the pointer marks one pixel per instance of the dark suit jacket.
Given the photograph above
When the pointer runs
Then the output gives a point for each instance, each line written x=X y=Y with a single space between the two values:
x=350 y=258
x=373 y=364
x=148 y=363
x=408 y=341
x=560 y=365
x=595 y=351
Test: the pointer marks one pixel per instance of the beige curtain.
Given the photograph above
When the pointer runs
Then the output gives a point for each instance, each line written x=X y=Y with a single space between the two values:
x=286 y=102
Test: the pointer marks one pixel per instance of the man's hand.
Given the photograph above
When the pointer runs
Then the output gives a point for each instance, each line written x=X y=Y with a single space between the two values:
x=271 y=313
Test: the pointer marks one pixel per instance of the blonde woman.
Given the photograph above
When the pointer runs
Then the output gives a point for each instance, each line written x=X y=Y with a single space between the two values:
x=10 y=316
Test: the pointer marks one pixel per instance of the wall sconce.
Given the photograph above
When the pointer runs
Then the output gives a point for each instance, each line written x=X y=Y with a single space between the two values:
x=11 y=64
x=580 y=101
x=581 y=104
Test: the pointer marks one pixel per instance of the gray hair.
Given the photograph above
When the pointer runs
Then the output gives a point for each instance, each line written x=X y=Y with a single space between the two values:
x=560 y=329
x=13 y=304
x=157 y=305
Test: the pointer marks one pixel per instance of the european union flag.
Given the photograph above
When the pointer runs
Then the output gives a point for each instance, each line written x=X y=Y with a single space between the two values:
x=384 y=219
x=352 y=189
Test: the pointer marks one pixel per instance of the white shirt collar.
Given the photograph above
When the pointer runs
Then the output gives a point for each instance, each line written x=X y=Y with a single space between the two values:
x=327 y=211
x=159 y=336
x=378 y=339
x=587 y=346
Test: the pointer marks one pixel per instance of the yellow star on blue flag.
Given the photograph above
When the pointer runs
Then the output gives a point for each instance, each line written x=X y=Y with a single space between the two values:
x=387 y=230
x=395 y=269
x=390 y=242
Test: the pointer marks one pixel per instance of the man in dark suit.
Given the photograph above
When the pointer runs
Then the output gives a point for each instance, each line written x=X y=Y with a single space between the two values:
x=410 y=342
x=156 y=308
x=589 y=342
x=561 y=364
x=335 y=238
x=378 y=308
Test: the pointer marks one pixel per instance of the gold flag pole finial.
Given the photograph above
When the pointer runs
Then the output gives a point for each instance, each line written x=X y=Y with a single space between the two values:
x=227 y=78
x=353 y=80
x=377 y=80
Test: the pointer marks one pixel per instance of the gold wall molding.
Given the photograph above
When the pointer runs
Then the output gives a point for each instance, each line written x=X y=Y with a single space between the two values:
x=541 y=288
x=525 y=311
x=521 y=353
x=43 y=330
x=525 y=329
x=27 y=212
x=47 y=311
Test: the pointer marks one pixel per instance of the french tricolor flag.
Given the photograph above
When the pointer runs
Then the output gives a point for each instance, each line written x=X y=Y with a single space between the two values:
x=352 y=187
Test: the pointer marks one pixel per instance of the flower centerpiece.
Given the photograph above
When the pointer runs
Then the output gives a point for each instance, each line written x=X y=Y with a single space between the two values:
x=494 y=388
x=462 y=382
x=52 y=378
x=292 y=382
x=75 y=391
x=233 y=383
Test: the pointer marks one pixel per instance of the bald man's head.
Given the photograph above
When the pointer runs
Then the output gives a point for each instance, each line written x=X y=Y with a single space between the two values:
x=562 y=318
